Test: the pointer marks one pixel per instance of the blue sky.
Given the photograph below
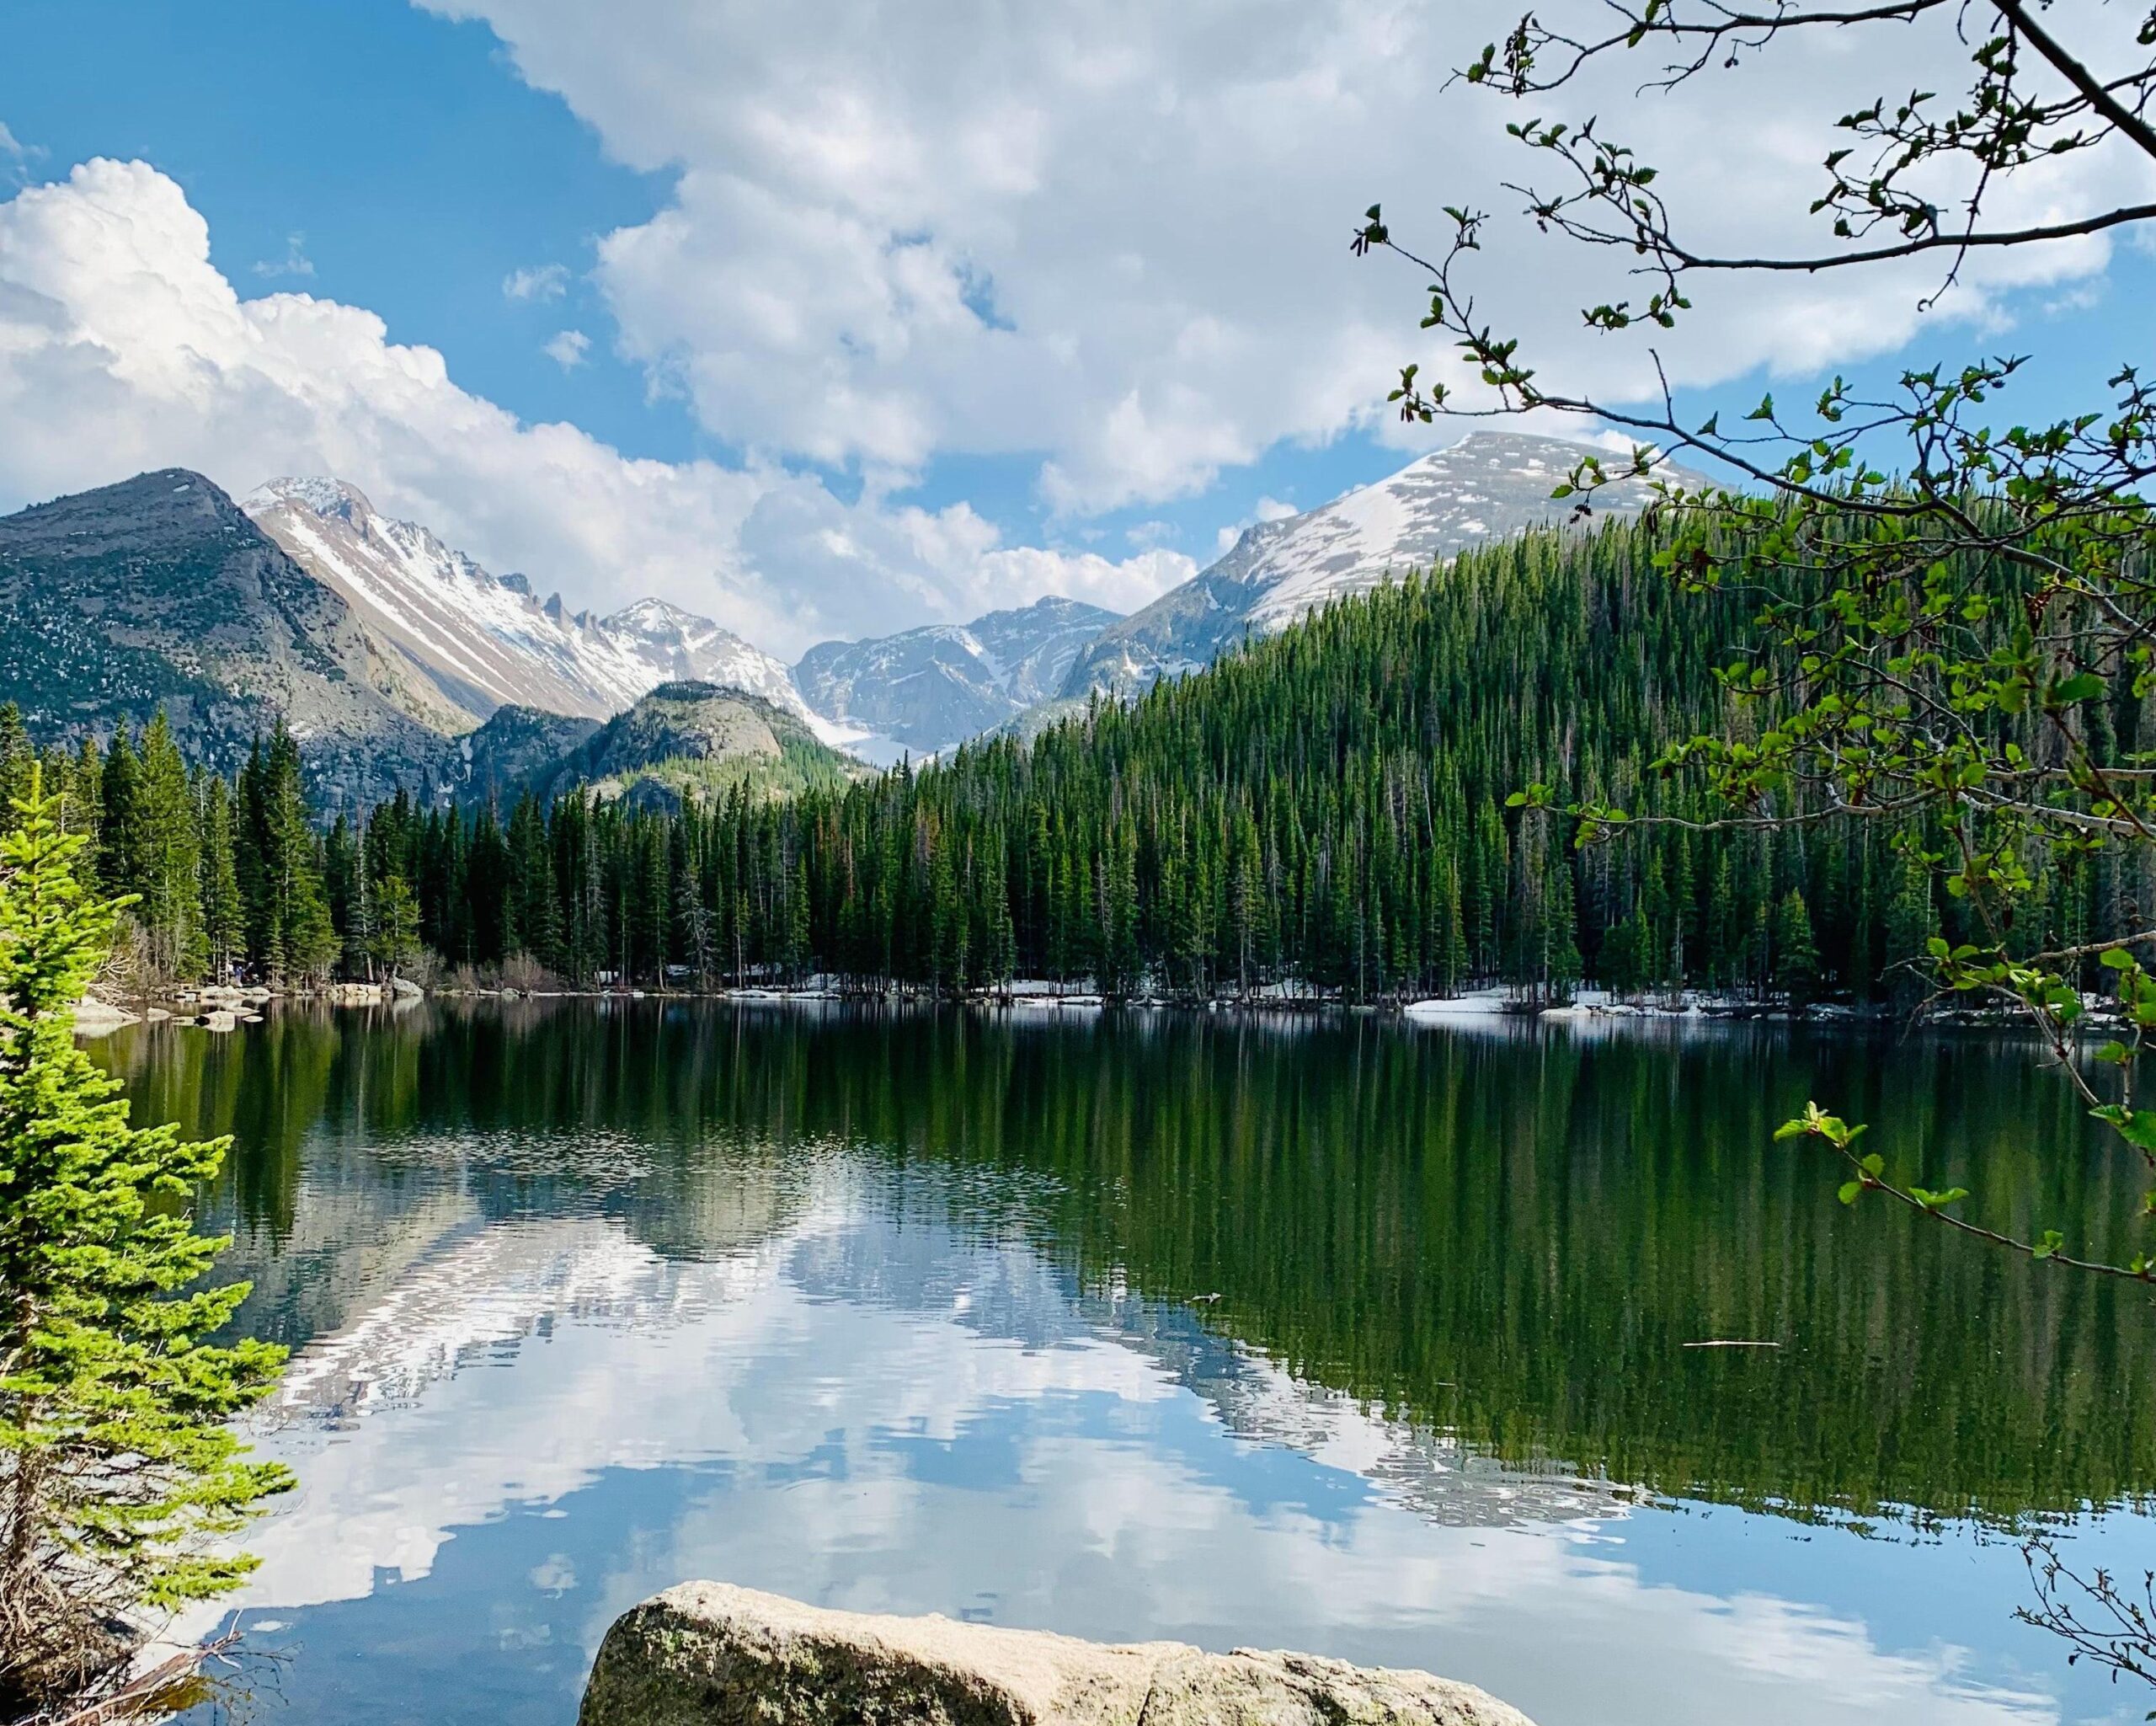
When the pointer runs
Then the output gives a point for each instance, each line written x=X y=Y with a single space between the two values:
x=418 y=171
x=914 y=325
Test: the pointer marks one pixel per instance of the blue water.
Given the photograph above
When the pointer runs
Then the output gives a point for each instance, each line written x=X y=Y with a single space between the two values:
x=553 y=1370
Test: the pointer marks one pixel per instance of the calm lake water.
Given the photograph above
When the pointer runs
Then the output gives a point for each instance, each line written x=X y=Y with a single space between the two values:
x=1353 y=1337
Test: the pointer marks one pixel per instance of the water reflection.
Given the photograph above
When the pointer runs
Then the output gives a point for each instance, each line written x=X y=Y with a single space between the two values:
x=901 y=1313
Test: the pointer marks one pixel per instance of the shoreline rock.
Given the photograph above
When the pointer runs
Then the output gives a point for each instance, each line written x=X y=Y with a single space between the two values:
x=709 y=1652
x=355 y=994
x=95 y=1018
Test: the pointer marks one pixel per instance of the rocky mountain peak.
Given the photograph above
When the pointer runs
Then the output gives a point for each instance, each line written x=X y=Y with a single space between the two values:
x=169 y=502
x=659 y=616
x=319 y=494
x=1490 y=485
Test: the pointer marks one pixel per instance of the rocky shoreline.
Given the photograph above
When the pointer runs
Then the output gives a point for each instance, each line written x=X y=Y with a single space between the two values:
x=212 y=1008
x=226 y=1008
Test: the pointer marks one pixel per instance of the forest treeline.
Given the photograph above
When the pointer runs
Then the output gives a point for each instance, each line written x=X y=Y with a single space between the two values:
x=1325 y=810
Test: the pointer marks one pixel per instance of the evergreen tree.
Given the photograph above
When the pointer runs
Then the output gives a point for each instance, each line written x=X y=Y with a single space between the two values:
x=344 y=887
x=224 y=924
x=17 y=760
x=692 y=932
x=84 y=808
x=396 y=923
x=1796 y=957
x=169 y=855
x=538 y=911
x=290 y=935
x=1561 y=967
x=121 y=867
x=113 y=1415
x=947 y=915
x=1628 y=958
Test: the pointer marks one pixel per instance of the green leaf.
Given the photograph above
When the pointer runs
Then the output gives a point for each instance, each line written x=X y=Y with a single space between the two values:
x=1849 y=1190
x=2137 y=1126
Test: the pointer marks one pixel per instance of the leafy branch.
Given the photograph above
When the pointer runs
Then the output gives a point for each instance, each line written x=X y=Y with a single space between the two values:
x=1961 y=646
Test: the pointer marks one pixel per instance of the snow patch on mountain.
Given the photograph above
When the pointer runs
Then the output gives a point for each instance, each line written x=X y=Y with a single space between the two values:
x=678 y=646
x=927 y=688
x=1490 y=485
x=459 y=642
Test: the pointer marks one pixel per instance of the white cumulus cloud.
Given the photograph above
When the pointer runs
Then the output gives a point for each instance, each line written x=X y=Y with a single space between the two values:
x=1112 y=235
x=122 y=349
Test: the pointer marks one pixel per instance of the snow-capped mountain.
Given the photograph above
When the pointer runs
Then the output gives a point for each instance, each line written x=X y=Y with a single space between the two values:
x=929 y=688
x=1489 y=486
x=467 y=641
x=679 y=647
x=457 y=642
x=449 y=642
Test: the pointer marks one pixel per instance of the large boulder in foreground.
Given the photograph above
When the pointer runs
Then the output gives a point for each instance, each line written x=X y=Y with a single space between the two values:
x=706 y=1652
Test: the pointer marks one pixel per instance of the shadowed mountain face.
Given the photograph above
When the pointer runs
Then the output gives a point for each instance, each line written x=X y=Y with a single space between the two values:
x=160 y=592
x=517 y=747
x=378 y=646
x=930 y=687
x=1490 y=486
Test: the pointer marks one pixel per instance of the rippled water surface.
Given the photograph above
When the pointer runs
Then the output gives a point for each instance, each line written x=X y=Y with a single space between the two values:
x=1352 y=1337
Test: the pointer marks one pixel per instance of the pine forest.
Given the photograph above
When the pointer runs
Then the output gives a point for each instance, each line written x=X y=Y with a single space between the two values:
x=1329 y=813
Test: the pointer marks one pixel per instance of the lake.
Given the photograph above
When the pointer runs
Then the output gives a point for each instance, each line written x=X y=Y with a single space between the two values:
x=1348 y=1335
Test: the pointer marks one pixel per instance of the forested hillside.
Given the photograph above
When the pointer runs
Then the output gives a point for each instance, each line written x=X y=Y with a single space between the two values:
x=1326 y=809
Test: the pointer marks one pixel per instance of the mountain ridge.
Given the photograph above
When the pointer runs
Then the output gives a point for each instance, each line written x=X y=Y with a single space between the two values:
x=931 y=686
x=159 y=591
x=389 y=650
x=460 y=641
x=1488 y=487
x=694 y=738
